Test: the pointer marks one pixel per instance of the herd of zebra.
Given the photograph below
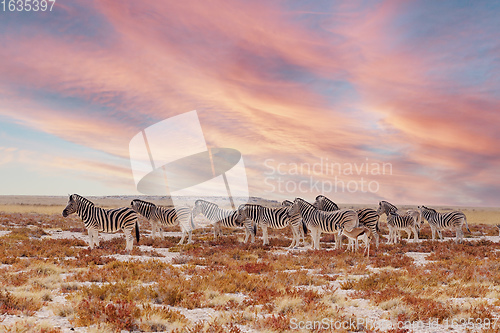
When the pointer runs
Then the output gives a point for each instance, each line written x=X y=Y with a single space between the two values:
x=322 y=216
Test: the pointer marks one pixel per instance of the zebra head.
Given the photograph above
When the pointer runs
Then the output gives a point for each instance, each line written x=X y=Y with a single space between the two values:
x=318 y=203
x=249 y=211
x=286 y=203
x=71 y=207
x=144 y=208
x=198 y=208
x=426 y=213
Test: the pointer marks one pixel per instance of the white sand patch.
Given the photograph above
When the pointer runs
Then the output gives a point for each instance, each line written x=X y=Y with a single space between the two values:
x=195 y=315
x=4 y=232
x=167 y=256
x=419 y=258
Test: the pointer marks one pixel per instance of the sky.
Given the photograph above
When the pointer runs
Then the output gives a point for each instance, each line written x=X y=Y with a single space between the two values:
x=358 y=100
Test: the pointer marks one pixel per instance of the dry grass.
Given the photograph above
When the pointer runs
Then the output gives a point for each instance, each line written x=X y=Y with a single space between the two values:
x=242 y=286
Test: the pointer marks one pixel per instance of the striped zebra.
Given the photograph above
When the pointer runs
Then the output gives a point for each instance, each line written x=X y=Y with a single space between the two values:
x=323 y=203
x=294 y=219
x=385 y=207
x=161 y=216
x=218 y=216
x=265 y=217
x=367 y=217
x=105 y=220
x=408 y=223
x=440 y=222
x=319 y=221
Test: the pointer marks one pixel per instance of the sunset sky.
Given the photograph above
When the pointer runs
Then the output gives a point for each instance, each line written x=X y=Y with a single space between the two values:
x=352 y=85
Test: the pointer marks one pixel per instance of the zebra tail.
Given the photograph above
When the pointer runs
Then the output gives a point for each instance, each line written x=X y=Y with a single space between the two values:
x=137 y=230
x=192 y=222
x=377 y=228
x=467 y=225
x=304 y=227
x=254 y=229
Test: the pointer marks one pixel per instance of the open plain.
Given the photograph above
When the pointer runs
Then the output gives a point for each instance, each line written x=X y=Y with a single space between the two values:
x=52 y=281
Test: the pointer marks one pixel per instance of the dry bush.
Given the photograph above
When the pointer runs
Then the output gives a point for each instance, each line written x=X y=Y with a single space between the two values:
x=14 y=305
x=119 y=315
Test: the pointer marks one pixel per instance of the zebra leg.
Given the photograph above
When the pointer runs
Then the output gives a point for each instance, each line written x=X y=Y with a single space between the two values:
x=415 y=234
x=389 y=238
x=440 y=234
x=264 y=235
x=338 y=240
x=317 y=236
x=154 y=226
x=216 y=229
x=302 y=236
x=459 y=235
x=296 y=237
x=313 y=239
x=91 y=238
x=183 y=236
x=129 y=239
x=96 y=238
x=247 y=235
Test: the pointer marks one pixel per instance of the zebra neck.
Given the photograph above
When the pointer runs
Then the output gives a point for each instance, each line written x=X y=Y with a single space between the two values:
x=305 y=211
x=86 y=212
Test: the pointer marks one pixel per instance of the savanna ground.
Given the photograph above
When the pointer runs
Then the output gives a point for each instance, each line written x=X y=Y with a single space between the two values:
x=52 y=282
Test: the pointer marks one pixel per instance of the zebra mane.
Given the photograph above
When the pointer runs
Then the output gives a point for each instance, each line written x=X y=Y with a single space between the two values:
x=387 y=203
x=302 y=200
x=287 y=203
x=199 y=201
x=250 y=205
x=431 y=209
x=144 y=202
x=79 y=198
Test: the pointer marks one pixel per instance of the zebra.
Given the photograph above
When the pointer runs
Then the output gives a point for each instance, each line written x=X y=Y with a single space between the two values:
x=323 y=203
x=276 y=218
x=367 y=217
x=385 y=207
x=218 y=216
x=105 y=220
x=320 y=221
x=408 y=223
x=439 y=222
x=161 y=216
x=294 y=219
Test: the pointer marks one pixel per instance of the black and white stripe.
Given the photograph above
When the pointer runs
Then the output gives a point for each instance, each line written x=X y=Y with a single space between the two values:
x=367 y=217
x=440 y=222
x=319 y=221
x=105 y=220
x=295 y=219
x=385 y=207
x=408 y=223
x=222 y=217
x=323 y=203
x=161 y=216
x=275 y=218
